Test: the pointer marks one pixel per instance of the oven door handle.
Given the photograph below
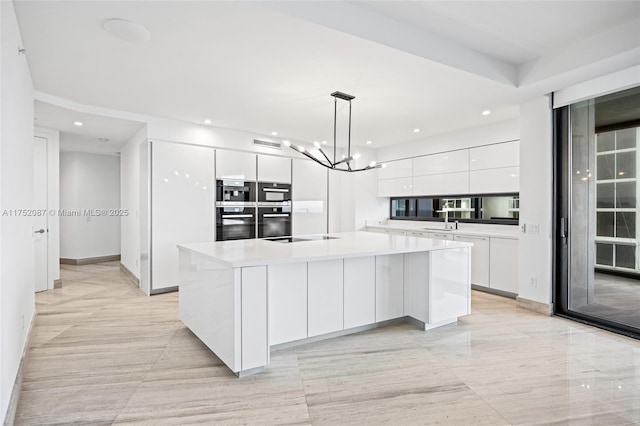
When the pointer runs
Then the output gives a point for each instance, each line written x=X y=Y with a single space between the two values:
x=275 y=215
x=233 y=216
x=274 y=190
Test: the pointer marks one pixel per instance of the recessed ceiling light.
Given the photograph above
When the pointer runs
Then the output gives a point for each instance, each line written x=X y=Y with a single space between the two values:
x=127 y=30
x=207 y=121
x=78 y=123
x=324 y=142
x=486 y=112
x=369 y=142
x=416 y=130
x=274 y=133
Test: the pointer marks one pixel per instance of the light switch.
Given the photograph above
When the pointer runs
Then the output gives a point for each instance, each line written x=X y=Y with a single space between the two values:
x=532 y=228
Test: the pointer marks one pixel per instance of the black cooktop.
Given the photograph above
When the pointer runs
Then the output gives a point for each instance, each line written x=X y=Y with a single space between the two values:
x=299 y=239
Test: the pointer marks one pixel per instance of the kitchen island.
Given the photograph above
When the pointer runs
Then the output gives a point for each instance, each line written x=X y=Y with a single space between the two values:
x=246 y=298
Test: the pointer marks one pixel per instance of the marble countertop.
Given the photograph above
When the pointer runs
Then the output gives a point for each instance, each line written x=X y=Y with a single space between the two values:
x=496 y=231
x=347 y=244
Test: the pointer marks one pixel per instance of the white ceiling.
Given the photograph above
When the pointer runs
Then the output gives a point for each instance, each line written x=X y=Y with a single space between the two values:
x=266 y=66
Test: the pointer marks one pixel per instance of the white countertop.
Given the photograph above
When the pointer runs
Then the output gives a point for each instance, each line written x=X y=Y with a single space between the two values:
x=347 y=244
x=485 y=230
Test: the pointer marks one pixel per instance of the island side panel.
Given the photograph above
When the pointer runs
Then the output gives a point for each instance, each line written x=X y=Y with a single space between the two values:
x=449 y=285
x=209 y=305
x=416 y=285
x=255 y=345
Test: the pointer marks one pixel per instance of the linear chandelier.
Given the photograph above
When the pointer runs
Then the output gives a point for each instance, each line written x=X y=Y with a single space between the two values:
x=343 y=164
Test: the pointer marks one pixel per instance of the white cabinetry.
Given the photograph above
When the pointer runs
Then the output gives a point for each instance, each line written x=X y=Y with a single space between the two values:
x=505 y=179
x=447 y=162
x=359 y=291
x=235 y=165
x=255 y=347
x=495 y=156
x=389 y=287
x=309 y=198
x=287 y=302
x=274 y=169
x=504 y=264
x=421 y=234
x=325 y=297
x=479 y=258
x=442 y=184
x=396 y=169
x=182 y=201
x=397 y=187
x=440 y=235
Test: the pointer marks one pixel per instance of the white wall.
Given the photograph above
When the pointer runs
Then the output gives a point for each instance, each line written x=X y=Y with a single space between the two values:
x=89 y=181
x=536 y=192
x=503 y=131
x=53 y=201
x=130 y=200
x=17 y=302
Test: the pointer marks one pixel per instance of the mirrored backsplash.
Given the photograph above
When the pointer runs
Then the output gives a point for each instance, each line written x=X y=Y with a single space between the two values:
x=503 y=208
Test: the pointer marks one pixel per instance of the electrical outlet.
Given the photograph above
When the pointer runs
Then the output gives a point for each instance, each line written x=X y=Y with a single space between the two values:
x=533 y=282
x=532 y=228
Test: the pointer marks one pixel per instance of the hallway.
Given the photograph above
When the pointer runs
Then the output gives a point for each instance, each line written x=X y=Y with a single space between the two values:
x=104 y=353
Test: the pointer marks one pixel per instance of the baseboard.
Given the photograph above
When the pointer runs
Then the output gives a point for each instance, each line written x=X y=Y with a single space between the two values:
x=494 y=291
x=89 y=260
x=130 y=274
x=532 y=305
x=57 y=283
x=10 y=416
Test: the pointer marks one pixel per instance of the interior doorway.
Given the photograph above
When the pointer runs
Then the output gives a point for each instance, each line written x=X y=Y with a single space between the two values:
x=41 y=214
x=597 y=217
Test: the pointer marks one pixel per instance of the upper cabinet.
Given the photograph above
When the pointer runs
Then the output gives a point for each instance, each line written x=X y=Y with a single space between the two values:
x=495 y=156
x=397 y=169
x=447 y=162
x=235 y=165
x=274 y=169
x=310 y=196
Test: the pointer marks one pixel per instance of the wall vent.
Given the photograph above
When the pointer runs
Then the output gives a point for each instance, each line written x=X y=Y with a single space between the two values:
x=274 y=145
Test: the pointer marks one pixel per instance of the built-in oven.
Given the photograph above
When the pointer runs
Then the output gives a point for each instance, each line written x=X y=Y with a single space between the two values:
x=235 y=221
x=274 y=220
x=272 y=192
x=235 y=190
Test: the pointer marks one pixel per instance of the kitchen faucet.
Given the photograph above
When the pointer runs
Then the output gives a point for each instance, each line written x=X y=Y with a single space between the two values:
x=445 y=210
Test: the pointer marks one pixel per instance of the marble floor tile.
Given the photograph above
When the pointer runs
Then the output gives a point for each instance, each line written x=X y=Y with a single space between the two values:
x=104 y=353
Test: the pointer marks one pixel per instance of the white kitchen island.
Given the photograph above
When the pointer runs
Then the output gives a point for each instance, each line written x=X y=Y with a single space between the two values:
x=245 y=298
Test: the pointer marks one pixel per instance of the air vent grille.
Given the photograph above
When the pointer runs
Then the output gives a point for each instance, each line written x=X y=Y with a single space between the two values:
x=274 y=145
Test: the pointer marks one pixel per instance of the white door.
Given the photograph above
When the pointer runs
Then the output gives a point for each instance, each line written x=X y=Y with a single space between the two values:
x=40 y=229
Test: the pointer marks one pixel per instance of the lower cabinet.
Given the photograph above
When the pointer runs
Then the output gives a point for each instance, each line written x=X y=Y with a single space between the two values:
x=479 y=258
x=389 y=287
x=440 y=235
x=326 y=297
x=287 y=302
x=359 y=291
x=504 y=264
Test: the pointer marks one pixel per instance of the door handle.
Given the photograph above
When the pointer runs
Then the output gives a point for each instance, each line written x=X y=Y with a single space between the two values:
x=39 y=231
x=275 y=215
x=563 y=229
x=234 y=216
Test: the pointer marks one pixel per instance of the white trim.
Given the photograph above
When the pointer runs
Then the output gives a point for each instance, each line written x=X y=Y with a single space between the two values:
x=599 y=86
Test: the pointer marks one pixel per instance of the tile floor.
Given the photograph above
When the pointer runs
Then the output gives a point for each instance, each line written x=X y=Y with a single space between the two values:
x=103 y=353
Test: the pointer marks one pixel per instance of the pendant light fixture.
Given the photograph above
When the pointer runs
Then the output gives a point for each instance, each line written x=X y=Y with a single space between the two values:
x=343 y=164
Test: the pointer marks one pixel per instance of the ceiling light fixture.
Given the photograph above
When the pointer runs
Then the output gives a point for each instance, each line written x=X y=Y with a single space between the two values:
x=344 y=164
x=274 y=133
x=486 y=112
x=207 y=121
x=369 y=142
x=127 y=30
x=78 y=123
x=416 y=130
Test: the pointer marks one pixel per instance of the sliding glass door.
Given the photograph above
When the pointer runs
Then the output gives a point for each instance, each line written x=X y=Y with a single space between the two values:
x=597 y=253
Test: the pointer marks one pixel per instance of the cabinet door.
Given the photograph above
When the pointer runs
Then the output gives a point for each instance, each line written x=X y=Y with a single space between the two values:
x=325 y=287
x=309 y=198
x=396 y=169
x=494 y=156
x=495 y=180
x=182 y=202
x=359 y=291
x=274 y=169
x=503 y=272
x=479 y=258
x=389 y=287
x=421 y=234
x=395 y=187
x=235 y=165
x=287 y=302
x=446 y=162
x=440 y=235
x=396 y=231
x=443 y=184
